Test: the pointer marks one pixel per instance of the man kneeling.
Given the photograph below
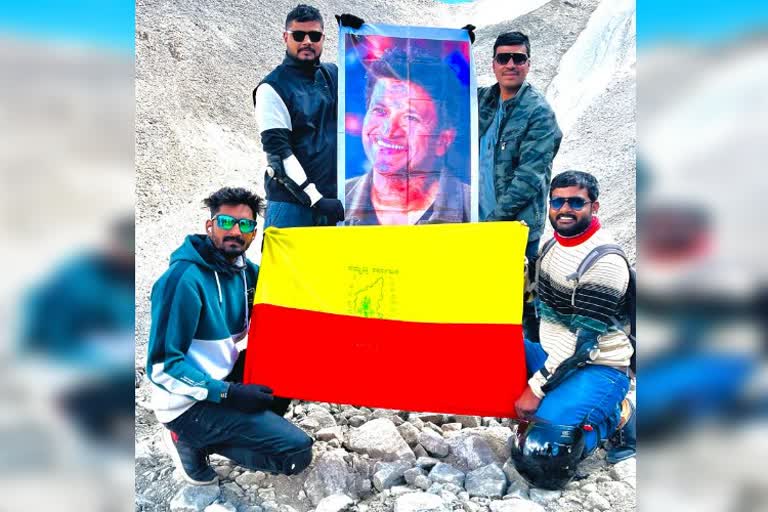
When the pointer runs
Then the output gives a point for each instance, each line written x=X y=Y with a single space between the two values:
x=579 y=372
x=200 y=311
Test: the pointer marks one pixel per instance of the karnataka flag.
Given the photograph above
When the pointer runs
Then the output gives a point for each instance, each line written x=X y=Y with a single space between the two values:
x=417 y=318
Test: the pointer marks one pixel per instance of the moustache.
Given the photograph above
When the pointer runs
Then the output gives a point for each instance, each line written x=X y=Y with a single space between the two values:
x=234 y=239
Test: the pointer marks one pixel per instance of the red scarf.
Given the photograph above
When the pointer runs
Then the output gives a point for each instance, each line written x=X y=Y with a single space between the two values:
x=573 y=241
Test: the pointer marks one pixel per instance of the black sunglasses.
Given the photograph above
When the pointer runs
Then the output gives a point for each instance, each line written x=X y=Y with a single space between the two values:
x=517 y=58
x=227 y=222
x=576 y=203
x=299 y=35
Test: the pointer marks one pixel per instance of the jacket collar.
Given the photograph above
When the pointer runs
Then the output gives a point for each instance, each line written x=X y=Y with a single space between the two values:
x=361 y=212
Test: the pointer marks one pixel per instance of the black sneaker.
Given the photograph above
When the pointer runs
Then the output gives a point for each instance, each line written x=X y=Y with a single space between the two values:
x=623 y=444
x=191 y=461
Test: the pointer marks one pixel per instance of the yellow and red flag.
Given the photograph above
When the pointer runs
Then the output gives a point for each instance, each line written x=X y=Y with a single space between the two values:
x=419 y=318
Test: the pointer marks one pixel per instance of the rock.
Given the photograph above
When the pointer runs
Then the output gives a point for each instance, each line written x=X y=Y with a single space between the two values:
x=595 y=501
x=488 y=481
x=223 y=471
x=250 y=478
x=448 y=497
x=433 y=443
x=250 y=508
x=452 y=488
x=399 y=490
x=329 y=434
x=435 y=488
x=516 y=505
x=477 y=447
x=384 y=413
x=412 y=473
x=267 y=493
x=437 y=419
x=422 y=482
x=310 y=424
x=221 y=507
x=543 y=496
x=230 y=489
x=389 y=474
x=335 y=503
x=616 y=492
x=451 y=427
x=322 y=416
x=409 y=433
x=517 y=486
x=469 y=421
x=420 y=452
x=231 y=493
x=416 y=422
x=270 y=506
x=357 y=421
x=589 y=487
x=624 y=470
x=517 y=490
x=445 y=473
x=419 y=502
x=330 y=475
x=380 y=439
x=426 y=462
x=349 y=411
x=194 y=498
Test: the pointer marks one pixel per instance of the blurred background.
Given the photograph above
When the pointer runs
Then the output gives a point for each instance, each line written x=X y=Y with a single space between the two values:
x=702 y=310
x=67 y=299
x=66 y=306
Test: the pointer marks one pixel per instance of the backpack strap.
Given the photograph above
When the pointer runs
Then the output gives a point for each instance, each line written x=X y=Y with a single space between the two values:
x=544 y=250
x=588 y=261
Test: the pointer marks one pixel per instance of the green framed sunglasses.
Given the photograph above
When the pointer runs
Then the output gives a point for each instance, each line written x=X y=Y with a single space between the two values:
x=227 y=222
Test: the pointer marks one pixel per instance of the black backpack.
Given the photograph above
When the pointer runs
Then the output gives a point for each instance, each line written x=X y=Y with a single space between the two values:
x=630 y=297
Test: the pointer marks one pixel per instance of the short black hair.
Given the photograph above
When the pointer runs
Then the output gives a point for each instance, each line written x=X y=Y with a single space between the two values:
x=512 y=39
x=579 y=179
x=232 y=197
x=302 y=13
x=423 y=69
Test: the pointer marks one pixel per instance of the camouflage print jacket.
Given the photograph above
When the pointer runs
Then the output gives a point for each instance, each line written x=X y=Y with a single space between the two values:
x=529 y=138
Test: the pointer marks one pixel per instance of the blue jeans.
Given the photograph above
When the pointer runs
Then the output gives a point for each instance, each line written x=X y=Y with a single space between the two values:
x=291 y=215
x=262 y=441
x=592 y=395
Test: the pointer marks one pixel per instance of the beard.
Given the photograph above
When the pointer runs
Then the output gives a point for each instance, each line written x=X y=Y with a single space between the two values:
x=232 y=250
x=579 y=226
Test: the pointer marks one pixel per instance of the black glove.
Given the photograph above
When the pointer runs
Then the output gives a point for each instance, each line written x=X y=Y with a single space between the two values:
x=248 y=397
x=331 y=208
x=350 y=20
x=471 y=30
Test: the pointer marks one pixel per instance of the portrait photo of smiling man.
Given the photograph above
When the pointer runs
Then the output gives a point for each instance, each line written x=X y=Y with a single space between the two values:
x=414 y=135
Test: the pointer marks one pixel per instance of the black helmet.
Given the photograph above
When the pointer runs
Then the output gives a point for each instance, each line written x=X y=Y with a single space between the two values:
x=546 y=455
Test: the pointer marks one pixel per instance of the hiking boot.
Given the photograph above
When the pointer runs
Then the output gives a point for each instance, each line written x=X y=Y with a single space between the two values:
x=624 y=441
x=191 y=461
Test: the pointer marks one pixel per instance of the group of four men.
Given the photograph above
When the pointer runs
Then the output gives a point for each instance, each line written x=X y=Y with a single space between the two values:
x=200 y=306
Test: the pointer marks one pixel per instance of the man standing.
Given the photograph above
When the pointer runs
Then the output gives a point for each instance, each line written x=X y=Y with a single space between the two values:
x=406 y=134
x=296 y=114
x=579 y=370
x=200 y=314
x=519 y=138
